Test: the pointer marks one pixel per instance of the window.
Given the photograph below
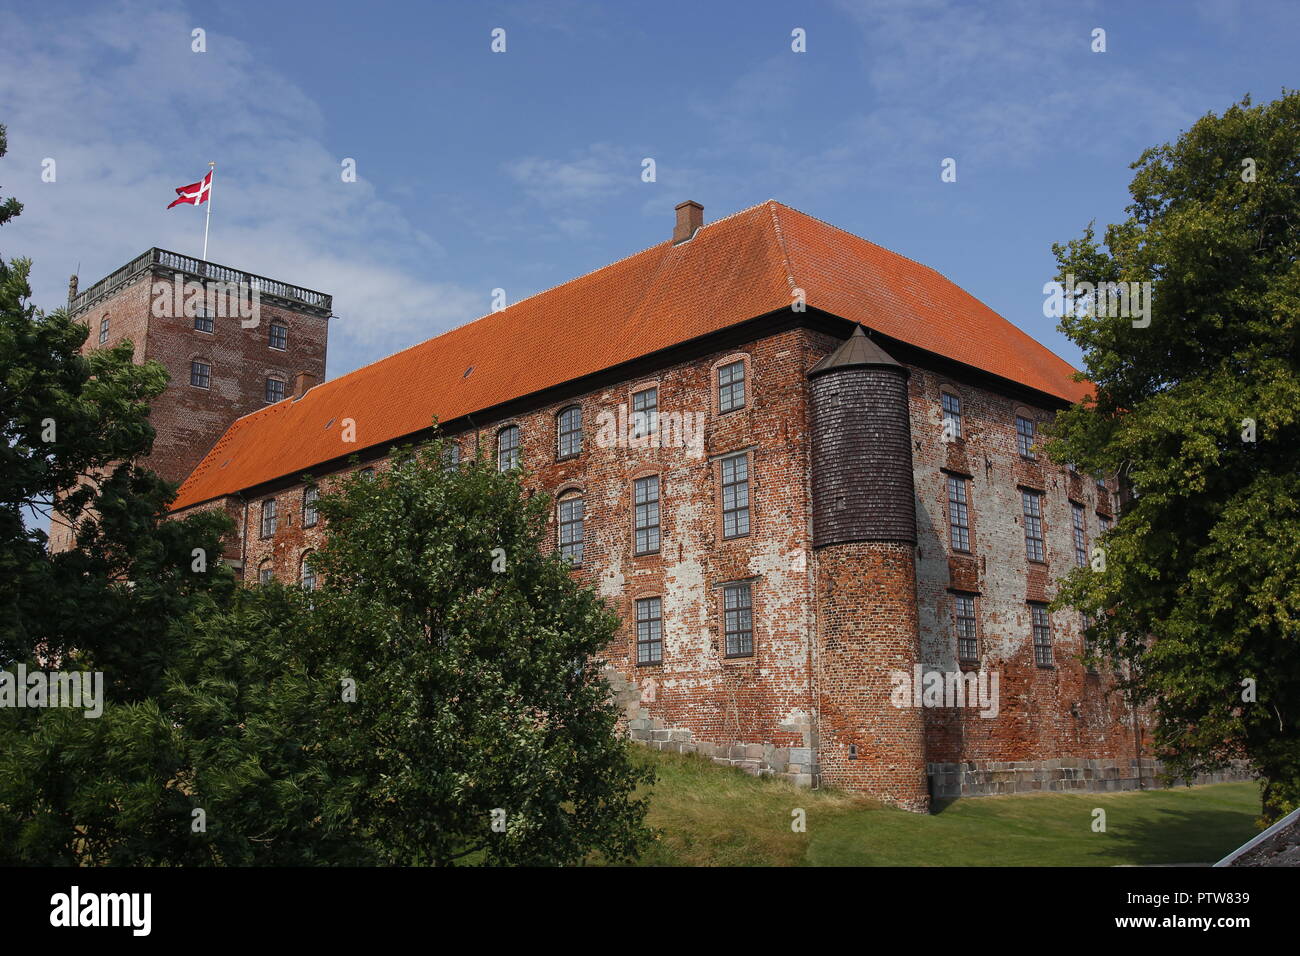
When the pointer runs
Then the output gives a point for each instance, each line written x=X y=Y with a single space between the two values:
x=451 y=458
x=735 y=496
x=738 y=624
x=1033 y=507
x=951 y=416
x=278 y=336
x=508 y=448
x=958 y=519
x=964 y=619
x=265 y=573
x=731 y=387
x=645 y=493
x=1042 y=635
x=645 y=412
x=268 y=517
x=1101 y=482
x=1080 y=538
x=571 y=530
x=274 y=390
x=367 y=473
x=103 y=330
x=1025 y=436
x=1089 y=645
x=649 y=631
x=1104 y=522
x=200 y=374
x=307 y=576
x=570 y=443
x=309 y=507
x=203 y=322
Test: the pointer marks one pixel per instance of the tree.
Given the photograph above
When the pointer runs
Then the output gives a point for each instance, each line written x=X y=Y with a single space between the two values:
x=1199 y=412
x=10 y=207
x=437 y=699
x=482 y=725
x=71 y=428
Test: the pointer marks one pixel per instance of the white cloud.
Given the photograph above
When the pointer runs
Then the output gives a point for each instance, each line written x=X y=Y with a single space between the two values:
x=129 y=112
x=599 y=172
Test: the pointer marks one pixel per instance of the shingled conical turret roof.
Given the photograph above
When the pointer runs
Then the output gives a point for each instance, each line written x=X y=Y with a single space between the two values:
x=858 y=351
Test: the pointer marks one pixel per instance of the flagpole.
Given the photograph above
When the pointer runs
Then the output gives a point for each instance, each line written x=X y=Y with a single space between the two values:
x=212 y=171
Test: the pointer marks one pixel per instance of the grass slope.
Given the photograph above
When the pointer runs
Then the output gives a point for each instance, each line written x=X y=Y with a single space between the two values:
x=716 y=816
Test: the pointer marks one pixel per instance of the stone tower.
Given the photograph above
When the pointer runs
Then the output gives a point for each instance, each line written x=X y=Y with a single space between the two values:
x=864 y=539
x=231 y=342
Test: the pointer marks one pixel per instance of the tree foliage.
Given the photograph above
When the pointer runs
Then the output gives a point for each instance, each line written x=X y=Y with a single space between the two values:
x=435 y=700
x=1199 y=412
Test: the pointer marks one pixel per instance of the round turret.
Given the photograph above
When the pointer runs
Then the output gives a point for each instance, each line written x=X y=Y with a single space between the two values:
x=861 y=447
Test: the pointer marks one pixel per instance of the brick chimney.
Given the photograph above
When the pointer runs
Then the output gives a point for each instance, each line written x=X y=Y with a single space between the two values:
x=302 y=382
x=690 y=216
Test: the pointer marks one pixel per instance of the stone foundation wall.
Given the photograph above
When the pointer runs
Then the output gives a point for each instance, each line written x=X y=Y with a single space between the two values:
x=793 y=764
x=1063 y=774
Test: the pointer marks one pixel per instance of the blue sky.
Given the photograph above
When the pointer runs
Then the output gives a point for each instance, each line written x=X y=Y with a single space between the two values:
x=522 y=170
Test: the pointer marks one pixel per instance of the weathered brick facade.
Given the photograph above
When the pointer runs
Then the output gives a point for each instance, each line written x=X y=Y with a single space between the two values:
x=772 y=639
x=831 y=623
x=142 y=303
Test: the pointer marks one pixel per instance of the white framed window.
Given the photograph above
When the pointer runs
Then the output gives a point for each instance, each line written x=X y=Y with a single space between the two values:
x=508 y=448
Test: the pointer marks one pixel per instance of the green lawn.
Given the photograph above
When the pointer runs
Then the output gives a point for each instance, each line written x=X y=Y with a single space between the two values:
x=709 y=815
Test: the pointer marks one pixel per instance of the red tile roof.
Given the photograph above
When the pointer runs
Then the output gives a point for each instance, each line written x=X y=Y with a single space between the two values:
x=734 y=269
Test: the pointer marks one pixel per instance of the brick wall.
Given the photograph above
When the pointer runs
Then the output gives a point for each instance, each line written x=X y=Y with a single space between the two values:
x=878 y=606
x=189 y=420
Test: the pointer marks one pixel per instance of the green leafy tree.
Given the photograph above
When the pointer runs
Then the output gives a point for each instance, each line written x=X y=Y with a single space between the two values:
x=9 y=207
x=436 y=700
x=70 y=427
x=1199 y=413
x=482 y=727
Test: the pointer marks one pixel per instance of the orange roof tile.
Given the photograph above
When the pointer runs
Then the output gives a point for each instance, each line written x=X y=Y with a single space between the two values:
x=734 y=269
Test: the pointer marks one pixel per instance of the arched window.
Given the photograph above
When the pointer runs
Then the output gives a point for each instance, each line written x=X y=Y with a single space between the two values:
x=951 y=408
x=570 y=432
x=731 y=387
x=571 y=527
x=265 y=572
x=508 y=448
x=306 y=575
x=451 y=458
x=1026 y=435
x=309 y=513
x=268 y=517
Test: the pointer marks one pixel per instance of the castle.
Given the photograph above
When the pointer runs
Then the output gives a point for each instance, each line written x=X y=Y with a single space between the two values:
x=803 y=469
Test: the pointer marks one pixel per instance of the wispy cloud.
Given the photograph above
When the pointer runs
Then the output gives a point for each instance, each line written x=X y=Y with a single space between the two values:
x=128 y=111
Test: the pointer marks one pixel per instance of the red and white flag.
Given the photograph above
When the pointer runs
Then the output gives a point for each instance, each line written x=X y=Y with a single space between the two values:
x=194 y=193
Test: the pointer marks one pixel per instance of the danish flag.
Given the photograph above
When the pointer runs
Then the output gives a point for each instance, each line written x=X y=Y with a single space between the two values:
x=194 y=193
